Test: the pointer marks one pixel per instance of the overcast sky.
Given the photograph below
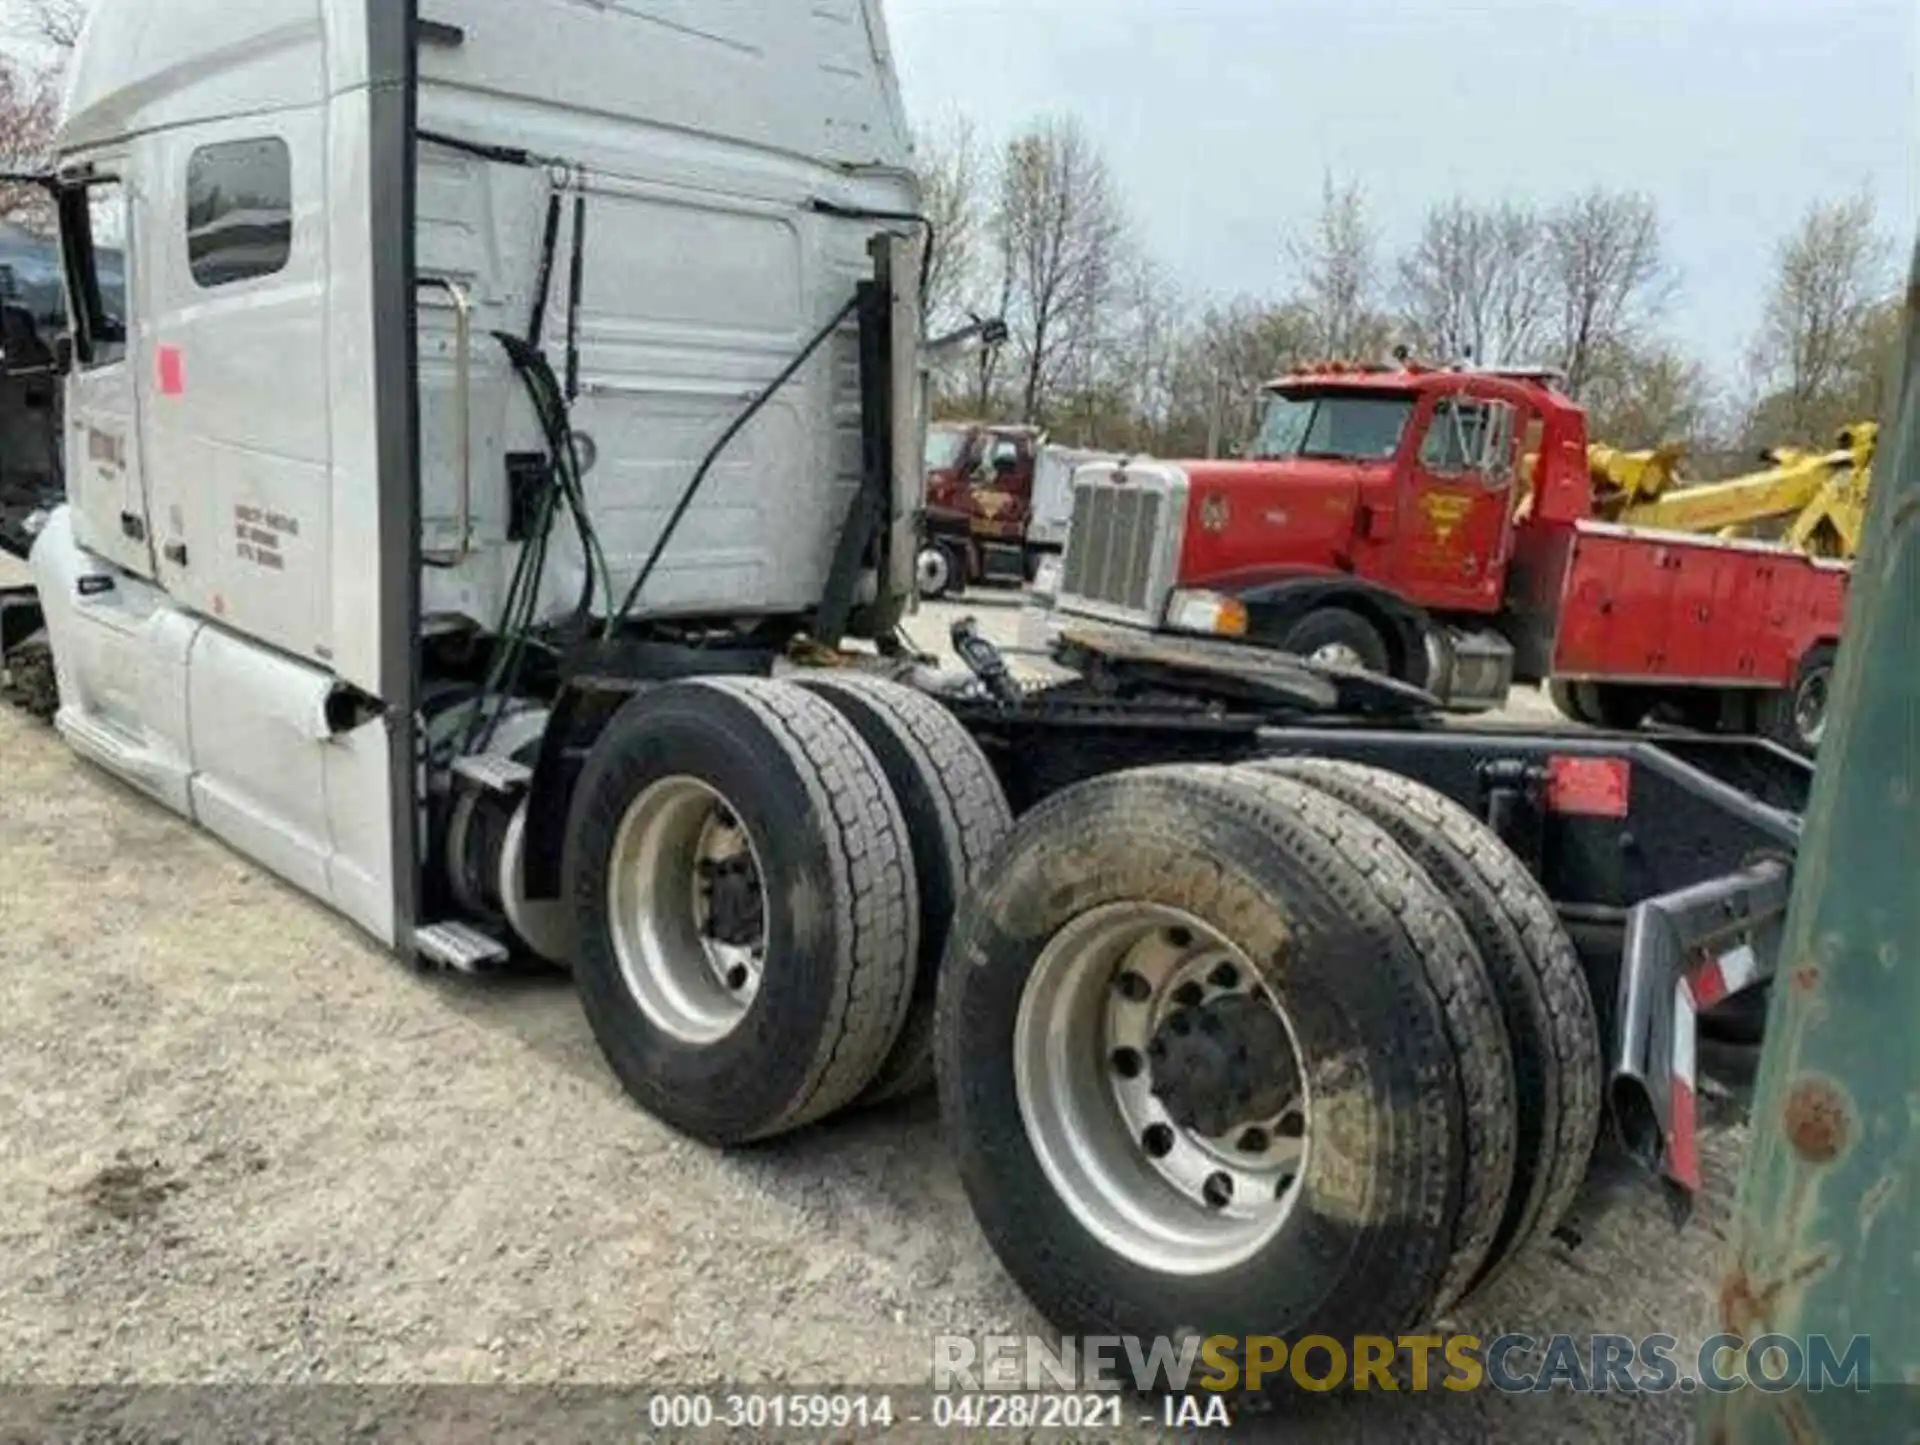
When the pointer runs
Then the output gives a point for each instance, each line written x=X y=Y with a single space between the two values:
x=1219 y=116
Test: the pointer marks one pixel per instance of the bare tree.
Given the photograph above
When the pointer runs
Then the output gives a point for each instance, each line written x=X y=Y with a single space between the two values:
x=1648 y=394
x=988 y=361
x=1062 y=235
x=1475 y=284
x=1338 y=269
x=1148 y=347
x=1228 y=355
x=953 y=200
x=1118 y=389
x=1819 y=349
x=28 y=111
x=29 y=101
x=43 y=32
x=1604 y=265
x=54 y=22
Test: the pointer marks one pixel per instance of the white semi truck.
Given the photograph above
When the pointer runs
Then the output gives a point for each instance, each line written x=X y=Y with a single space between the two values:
x=492 y=497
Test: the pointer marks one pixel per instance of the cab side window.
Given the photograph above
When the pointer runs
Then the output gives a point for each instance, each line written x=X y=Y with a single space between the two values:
x=1470 y=438
x=93 y=237
x=1002 y=456
x=1456 y=437
x=239 y=211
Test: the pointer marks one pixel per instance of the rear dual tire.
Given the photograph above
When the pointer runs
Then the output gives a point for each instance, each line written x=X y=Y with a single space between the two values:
x=835 y=885
x=956 y=815
x=761 y=877
x=1407 y=1061
x=1547 y=1009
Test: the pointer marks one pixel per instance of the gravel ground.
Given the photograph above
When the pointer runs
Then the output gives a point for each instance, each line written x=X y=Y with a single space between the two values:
x=238 y=1144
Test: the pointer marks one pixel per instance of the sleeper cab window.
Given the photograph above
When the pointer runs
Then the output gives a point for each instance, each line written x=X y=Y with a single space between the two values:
x=239 y=211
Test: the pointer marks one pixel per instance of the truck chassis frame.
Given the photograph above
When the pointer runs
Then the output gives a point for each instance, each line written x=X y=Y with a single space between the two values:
x=1668 y=856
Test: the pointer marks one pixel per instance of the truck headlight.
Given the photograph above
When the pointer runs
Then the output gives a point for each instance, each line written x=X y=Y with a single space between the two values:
x=1208 y=613
x=1046 y=579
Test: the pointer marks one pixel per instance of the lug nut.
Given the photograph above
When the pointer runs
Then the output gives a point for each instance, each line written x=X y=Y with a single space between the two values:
x=1226 y=976
x=1157 y=1141
x=1133 y=988
x=1217 y=1191
x=1127 y=1063
x=1190 y=995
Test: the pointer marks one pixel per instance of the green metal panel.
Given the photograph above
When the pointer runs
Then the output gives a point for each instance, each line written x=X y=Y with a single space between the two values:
x=1827 y=1241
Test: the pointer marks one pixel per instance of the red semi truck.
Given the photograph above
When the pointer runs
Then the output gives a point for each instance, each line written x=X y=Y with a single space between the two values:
x=1438 y=526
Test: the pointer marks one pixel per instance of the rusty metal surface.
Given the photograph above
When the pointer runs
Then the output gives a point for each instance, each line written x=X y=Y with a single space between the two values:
x=1824 y=1242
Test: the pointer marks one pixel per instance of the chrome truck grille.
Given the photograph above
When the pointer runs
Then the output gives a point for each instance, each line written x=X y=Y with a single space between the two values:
x=1123 y=548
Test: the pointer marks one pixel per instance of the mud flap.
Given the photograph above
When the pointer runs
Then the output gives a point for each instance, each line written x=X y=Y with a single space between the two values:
x=1685 y=952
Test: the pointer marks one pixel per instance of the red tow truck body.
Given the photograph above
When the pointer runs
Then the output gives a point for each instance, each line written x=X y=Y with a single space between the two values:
x=1439 y=525
x=980 y=497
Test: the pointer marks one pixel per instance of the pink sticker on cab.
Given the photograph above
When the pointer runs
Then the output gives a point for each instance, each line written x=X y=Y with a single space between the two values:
x=171 y=362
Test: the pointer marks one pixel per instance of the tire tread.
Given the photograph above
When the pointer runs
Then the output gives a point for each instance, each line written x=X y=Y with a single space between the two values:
x=873 y=858
x=1405 y=1256
x=1548 y=1006
x=1471 y=1012
x=973 y=819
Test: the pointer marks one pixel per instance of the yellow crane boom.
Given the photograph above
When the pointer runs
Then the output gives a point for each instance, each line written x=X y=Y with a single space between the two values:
x=1813 y=502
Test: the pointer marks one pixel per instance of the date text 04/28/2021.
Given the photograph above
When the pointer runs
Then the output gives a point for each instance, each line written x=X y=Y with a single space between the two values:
x=963 y=1410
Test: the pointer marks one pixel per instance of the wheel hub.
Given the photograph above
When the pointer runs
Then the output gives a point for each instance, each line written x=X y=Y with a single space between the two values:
x=1340 y=654
x=1221 y=1065
x=1810 y=708
x=736 y=909
x=1162 y=1088
x=688 y=910
x=935 y=572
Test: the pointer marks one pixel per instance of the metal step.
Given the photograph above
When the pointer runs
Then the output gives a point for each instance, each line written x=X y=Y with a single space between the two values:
x=460 y=946
x=495 y=773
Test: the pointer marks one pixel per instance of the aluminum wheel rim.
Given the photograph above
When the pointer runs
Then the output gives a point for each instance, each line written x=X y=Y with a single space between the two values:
x=934 y=571
x=1339 y=654
x=1146 y=1186
x=659 y=901
x=1810 y=706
